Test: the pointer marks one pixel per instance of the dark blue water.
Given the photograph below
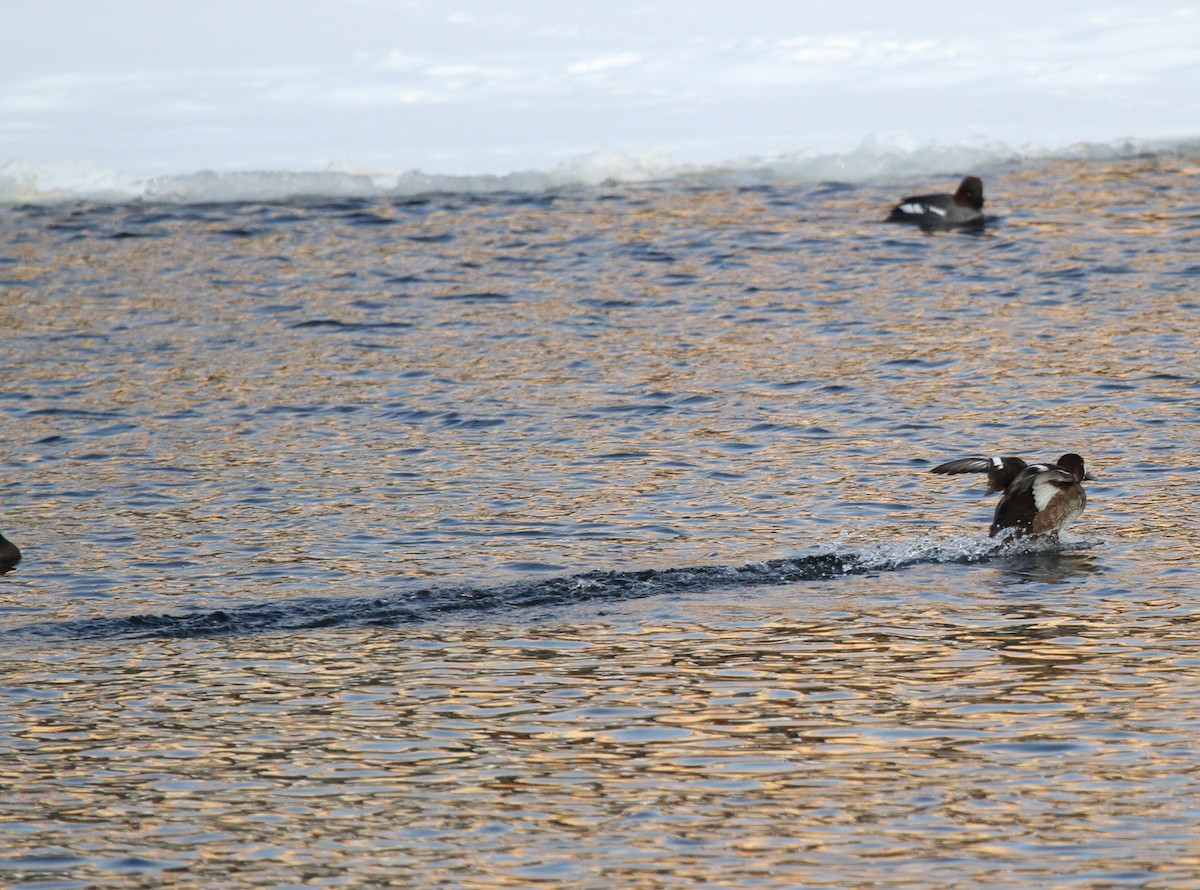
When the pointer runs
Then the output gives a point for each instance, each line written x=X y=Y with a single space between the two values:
x=588 y=538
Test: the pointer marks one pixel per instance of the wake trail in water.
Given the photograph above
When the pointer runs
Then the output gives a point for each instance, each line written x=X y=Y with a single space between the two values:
x=427 y=604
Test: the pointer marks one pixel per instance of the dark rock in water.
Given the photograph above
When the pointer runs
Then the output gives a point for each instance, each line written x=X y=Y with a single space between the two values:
x=10 y=555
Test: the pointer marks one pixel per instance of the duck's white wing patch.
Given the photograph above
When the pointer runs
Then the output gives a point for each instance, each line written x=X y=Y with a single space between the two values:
x=1043 y=492
x=916 y=208
x=932 y=209
x=1047 y=484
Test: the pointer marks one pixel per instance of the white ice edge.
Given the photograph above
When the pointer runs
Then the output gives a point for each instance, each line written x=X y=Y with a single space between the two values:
x=873 y=161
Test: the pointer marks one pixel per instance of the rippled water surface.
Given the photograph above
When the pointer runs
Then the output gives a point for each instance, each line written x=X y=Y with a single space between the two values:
x=587 y=539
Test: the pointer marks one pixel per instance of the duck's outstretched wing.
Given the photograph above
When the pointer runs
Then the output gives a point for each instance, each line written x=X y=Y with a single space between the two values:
x=1000 y=470
x=964 y=465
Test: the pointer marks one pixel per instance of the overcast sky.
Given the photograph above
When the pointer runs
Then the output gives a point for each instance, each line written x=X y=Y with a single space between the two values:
x=459 y=86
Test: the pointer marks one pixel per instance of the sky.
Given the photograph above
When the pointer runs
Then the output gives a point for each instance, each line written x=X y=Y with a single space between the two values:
x=117 y=93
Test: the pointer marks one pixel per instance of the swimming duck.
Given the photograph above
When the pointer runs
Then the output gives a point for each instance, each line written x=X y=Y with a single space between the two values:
x=9 y=554
x=1038 y=499
x=964 y=207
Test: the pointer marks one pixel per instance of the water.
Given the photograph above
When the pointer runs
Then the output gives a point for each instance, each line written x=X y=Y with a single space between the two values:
x=586 y=538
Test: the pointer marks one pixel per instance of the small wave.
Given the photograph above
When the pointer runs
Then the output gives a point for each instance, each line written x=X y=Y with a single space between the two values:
x=428 y=604
x=874 y=160
x=334 y=325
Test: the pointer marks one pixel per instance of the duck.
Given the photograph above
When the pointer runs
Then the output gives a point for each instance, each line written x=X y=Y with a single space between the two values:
x=1037 y=499
x=963 y=208
x=10 y=555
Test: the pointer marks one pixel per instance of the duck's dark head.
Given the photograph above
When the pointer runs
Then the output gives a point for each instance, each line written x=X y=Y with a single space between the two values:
x=970 y=193
x=1073 y=464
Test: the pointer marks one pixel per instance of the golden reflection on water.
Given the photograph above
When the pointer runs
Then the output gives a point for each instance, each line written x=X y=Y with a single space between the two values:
x=927 y=740
x=674 y=378
x=766 y=326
